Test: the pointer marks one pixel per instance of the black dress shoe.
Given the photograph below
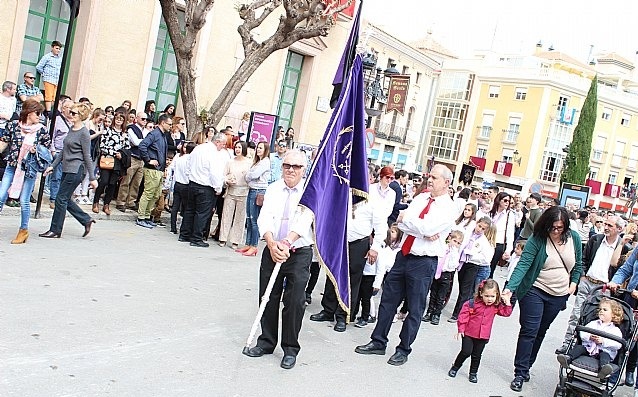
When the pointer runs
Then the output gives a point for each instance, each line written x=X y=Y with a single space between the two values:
x=517 y=383
x=49 y=234
x=398 y=358
x=183 y=240
x=473 y=378
x=435 y=320
x=370 y=348
x=199 y=244
x=322 y=316
x=87 y=227
x=255 y=352
x=452 y=372
x=340 y=326
x=288 y=362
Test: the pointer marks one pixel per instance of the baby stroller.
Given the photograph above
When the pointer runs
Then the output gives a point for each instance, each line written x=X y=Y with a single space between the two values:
x=581 y=378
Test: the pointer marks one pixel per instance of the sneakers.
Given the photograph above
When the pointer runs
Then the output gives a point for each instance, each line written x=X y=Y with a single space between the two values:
x=435 y=319
x=564 y=360
x=372 y=320
x=473 y=378
x=160 y=224
x=452 y=319
x=427 y=317
x=144 y=223
x=150 y=222
x=452 y=372
x=361 y=323
x=605 y=371
x=517 y=383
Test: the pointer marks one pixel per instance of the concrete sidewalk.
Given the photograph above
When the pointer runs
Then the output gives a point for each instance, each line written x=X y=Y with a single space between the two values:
x=130 y=311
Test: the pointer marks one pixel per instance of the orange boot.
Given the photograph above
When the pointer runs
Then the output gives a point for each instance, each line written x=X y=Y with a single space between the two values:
x=21 y=238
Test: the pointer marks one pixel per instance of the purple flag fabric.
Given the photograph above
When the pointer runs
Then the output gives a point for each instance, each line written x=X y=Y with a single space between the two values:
x=339 y=170
x=345 y=65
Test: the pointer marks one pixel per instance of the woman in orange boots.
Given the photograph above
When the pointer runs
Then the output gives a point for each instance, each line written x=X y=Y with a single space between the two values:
x=22 y=136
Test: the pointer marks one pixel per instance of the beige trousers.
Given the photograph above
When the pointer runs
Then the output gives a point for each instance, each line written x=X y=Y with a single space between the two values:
x=232 y=228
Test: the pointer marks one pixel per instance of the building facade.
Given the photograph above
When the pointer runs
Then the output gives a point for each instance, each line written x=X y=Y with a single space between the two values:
x=121 y=50
x=513 y=117
x=398 y=136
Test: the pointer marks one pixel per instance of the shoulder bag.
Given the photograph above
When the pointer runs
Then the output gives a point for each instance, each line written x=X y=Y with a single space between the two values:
x=107 y=163
x=503 y=262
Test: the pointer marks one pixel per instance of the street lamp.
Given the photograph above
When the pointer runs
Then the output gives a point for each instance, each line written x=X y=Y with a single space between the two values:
x=375 y=89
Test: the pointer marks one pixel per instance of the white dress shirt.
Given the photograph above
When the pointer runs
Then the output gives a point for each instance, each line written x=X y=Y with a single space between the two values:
x=180 y=165
x=599 y=269
x=133 y=139
x=272 y=212
x=372 y=215
x=500 y=221
x=438 y=220
x=206 y=166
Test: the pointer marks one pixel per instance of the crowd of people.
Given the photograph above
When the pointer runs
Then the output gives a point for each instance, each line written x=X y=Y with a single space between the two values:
x=406 y=242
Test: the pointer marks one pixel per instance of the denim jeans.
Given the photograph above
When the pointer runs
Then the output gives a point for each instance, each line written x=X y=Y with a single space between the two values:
x=63 y=201
x=252 y=213
x=54 y=181
x=25 y=194
x=538 y=311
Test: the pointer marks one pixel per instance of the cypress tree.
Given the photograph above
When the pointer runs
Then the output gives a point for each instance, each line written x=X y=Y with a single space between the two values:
x=576 y=166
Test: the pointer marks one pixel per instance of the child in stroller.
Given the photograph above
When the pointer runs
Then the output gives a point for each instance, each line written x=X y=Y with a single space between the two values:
x=585 y=375
x=610 y=314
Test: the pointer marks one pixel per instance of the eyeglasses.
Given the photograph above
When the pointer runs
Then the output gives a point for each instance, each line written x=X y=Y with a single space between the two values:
x=557 y=228
x=30 y=77
x=296 y=167
x=73 y=113
x=390 y=177
x=599 y=221
x=143 y=119
x=506 y=200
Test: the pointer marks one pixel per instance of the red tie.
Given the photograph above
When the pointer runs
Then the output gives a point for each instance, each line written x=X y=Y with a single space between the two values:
x=407 y=244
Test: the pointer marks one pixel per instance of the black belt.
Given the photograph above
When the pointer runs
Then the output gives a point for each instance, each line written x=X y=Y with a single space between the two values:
x=422 y=256
x=359 y=240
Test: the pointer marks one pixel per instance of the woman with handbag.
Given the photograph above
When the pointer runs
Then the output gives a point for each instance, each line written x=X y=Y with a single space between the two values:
x=545 y=276
x=112 y=141
x=76 y=162
x=22 y=136
x=505 y=222
x=257 y=177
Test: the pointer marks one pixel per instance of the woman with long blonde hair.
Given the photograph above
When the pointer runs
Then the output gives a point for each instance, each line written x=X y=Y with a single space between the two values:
x=76 y=162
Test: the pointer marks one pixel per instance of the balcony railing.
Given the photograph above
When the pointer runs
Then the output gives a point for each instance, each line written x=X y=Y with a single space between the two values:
x=392 y=132
x=510 y=136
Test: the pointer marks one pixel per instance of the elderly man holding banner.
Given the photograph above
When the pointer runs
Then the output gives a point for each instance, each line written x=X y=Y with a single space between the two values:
x=288 y=235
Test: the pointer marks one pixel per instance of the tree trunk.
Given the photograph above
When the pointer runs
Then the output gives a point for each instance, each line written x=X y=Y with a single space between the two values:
x=189 y=100
x=234 y=85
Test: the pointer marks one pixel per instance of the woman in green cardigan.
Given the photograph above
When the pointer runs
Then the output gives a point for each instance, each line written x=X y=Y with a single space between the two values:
x=545 y=276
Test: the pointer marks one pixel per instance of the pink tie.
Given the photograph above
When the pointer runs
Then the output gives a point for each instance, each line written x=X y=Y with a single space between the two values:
x=283 y=228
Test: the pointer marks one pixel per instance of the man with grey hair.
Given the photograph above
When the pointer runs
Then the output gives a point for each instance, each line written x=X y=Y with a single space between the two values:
x=7 y=103
x=206 y=178
x=601 y=252
x=426 y=224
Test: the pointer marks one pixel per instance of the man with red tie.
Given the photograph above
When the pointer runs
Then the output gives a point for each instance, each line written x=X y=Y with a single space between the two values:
x=425 y=224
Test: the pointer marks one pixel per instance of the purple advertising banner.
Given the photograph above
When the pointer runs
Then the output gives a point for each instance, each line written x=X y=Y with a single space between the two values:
x=262 y=127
